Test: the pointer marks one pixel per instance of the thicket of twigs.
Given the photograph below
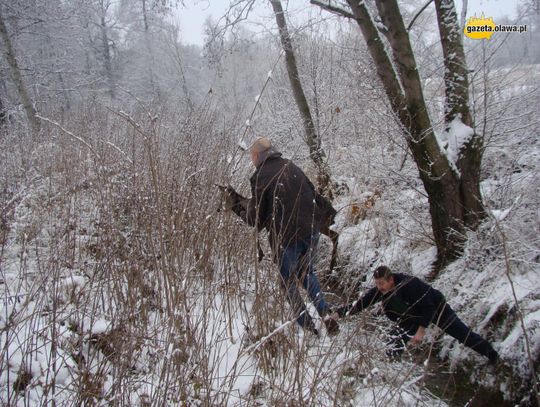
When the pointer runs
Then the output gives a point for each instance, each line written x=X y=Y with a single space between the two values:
x=122 y=283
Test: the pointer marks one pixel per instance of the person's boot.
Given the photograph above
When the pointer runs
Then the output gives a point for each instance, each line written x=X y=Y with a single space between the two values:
x=332 y=326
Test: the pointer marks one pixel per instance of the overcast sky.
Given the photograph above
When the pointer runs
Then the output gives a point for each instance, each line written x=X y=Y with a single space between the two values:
x=192 y=16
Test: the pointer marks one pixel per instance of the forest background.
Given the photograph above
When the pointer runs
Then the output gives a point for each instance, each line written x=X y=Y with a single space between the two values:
x=122 y=283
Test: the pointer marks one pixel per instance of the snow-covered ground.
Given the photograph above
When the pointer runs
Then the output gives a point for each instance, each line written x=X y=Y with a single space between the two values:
x=122 y=285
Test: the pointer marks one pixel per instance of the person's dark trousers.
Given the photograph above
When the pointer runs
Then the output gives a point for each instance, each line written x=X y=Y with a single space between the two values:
x=449 y=322
x=296 y=266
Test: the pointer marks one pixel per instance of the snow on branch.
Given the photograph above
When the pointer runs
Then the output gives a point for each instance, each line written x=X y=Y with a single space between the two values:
x=79 y=139
x=259 y=343
x=452 y=140
x=333 y=9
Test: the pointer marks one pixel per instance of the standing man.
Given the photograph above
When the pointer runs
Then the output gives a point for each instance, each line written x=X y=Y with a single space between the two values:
x=285 y=203
x=414 y=304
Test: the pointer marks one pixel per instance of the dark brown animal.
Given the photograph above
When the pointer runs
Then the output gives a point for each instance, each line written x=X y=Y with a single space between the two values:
x=238 y=204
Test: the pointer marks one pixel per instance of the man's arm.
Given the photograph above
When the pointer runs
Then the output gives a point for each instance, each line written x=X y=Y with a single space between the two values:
x=419 y=335
x=423 y=301
x=371 y=297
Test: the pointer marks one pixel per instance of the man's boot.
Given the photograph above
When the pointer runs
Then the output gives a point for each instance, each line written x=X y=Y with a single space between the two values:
x=332 y=326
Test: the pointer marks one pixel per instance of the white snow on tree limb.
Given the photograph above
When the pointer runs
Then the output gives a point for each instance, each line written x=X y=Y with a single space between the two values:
x=501 y=214
x=456 y=135
x=381 y=26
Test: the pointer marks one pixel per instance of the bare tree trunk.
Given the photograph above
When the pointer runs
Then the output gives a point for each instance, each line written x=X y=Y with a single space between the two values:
x=405 y=93
x=464 y=7
x=453 y=189
x=155 y=88
x=312 y=139
x=107 y=51
x=11 y=58
x=3 y=112
x=383 y=63
x=64 y=92
x=455 y=75
x=457 y=108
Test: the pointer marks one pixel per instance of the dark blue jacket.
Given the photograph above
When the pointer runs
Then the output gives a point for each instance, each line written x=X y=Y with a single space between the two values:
x=411 y=302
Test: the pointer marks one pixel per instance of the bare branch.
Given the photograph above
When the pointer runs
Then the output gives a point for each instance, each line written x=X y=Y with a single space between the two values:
x=333 y=9
x=70 y=134
x=237 y=12
x=464 y=13
x=313 y=139
x=131 y=121
x=425 y=6
x=110 y=143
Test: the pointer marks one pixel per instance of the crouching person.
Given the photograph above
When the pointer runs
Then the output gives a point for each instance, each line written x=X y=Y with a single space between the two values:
x=413 y=305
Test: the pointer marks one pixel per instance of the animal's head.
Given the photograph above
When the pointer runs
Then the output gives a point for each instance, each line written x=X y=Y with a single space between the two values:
x=229 y=197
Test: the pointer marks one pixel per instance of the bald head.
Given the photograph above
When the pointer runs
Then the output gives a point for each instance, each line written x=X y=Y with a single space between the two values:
x=259 y=147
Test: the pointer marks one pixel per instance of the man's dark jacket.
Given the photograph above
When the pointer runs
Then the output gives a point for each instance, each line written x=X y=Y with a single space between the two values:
x=411 y=303
x=284 y=201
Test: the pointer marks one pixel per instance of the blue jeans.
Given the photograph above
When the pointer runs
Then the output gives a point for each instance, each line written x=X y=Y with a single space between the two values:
x=296 y=266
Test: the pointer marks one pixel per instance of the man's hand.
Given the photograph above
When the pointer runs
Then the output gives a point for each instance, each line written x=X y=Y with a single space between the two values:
x=418 y=336
x=233 y=201
x=231 y=196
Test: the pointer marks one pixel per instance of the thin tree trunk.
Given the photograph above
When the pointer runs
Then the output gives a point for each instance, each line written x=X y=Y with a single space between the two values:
x=107 y=53
x=455 y=201
x=383 y=63
x=64 y=92
x=464 y=7
x=455 y=73
x=3 y=112
x=11 y=58
x=442 y=184
x=312 y=139
x=155 y=88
